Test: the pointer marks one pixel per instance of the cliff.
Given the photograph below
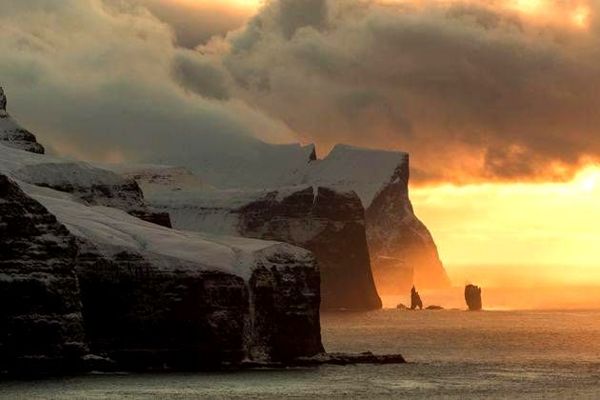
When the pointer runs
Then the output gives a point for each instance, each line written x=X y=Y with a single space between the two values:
x=41 y=324
x=90 y=185
x=81 y=277
x=331 y=225
x=401 y=247
x=352 y=203
x=144 y=295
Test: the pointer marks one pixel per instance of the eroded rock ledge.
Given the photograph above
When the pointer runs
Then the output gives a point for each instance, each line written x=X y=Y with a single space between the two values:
x=334 y=359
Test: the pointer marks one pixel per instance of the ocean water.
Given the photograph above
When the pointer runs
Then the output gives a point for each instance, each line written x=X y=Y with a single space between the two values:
x=452 y=355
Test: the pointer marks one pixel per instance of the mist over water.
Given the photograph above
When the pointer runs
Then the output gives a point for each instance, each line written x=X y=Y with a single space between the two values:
x=451 y=354
x=510 y=298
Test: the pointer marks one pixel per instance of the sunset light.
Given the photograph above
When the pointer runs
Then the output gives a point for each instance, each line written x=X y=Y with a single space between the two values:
x=517 y=224
x=581 y=17
x=528 y=6
x=300 y=199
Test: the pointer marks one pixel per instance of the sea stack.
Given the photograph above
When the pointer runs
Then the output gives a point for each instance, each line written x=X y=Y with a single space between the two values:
x=415 y=300
x=473 y=297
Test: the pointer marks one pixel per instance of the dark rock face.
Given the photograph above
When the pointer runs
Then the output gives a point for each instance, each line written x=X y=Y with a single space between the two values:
x=145 y=317
x=415 y=300
x=284 y=313
x=41 y=327
x=402 y=249
x=3 y=100
x=154 y=217
x=93 y=186
x=12 y=134
x=331 y=225
x=473 y=298
x=63 y=296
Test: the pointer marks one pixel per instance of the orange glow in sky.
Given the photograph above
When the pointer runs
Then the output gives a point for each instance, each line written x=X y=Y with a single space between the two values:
x=548 y=232
x=233 y=3
x=542 y=11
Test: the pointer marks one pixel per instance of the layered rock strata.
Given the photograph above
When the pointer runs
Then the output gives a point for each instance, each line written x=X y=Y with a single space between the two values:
x=41 y=324
x=76 y=277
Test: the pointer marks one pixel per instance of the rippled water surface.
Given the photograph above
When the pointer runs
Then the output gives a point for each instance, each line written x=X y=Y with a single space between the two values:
x=452 y=354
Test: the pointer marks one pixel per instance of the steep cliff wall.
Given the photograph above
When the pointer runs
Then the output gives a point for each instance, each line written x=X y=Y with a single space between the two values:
x=332 y=226
x=329 y=223
x=154 y=297
x=75 y=276
x=401 y=247
x=402 y=251
x=41 y=325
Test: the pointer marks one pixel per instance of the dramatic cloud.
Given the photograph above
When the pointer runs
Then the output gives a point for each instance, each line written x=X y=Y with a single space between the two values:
x=473 y=89
x=196 y=21
x=103 y=81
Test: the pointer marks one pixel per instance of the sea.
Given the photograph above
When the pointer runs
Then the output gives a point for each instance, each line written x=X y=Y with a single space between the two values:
x=452 y=355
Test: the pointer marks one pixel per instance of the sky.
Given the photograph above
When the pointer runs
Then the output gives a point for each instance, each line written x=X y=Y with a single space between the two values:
x=496 y=101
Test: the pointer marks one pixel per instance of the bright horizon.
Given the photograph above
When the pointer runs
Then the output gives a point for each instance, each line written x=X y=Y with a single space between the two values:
x=542 y=232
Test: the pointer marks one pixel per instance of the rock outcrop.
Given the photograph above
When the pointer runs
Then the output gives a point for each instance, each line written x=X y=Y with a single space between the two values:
x=415 y=299
x=331 y=225
x=473 y=298
x=89 y=184
x=41 y=324
x=12 y=134
x=349 y=359
x=94 y=187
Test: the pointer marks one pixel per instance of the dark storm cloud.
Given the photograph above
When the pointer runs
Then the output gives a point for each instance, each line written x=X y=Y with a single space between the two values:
x=103 y=81
x=471 y=89
x=195 y=22
x=200 y=76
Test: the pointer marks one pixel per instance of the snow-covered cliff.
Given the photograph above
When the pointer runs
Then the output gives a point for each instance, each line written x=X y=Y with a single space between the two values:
x=368 y=191
x=81 y=275
x=143 y=295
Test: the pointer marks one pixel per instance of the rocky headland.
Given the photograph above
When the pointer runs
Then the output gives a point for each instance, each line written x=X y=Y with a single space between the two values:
x=351 y=209
x=93 y=277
